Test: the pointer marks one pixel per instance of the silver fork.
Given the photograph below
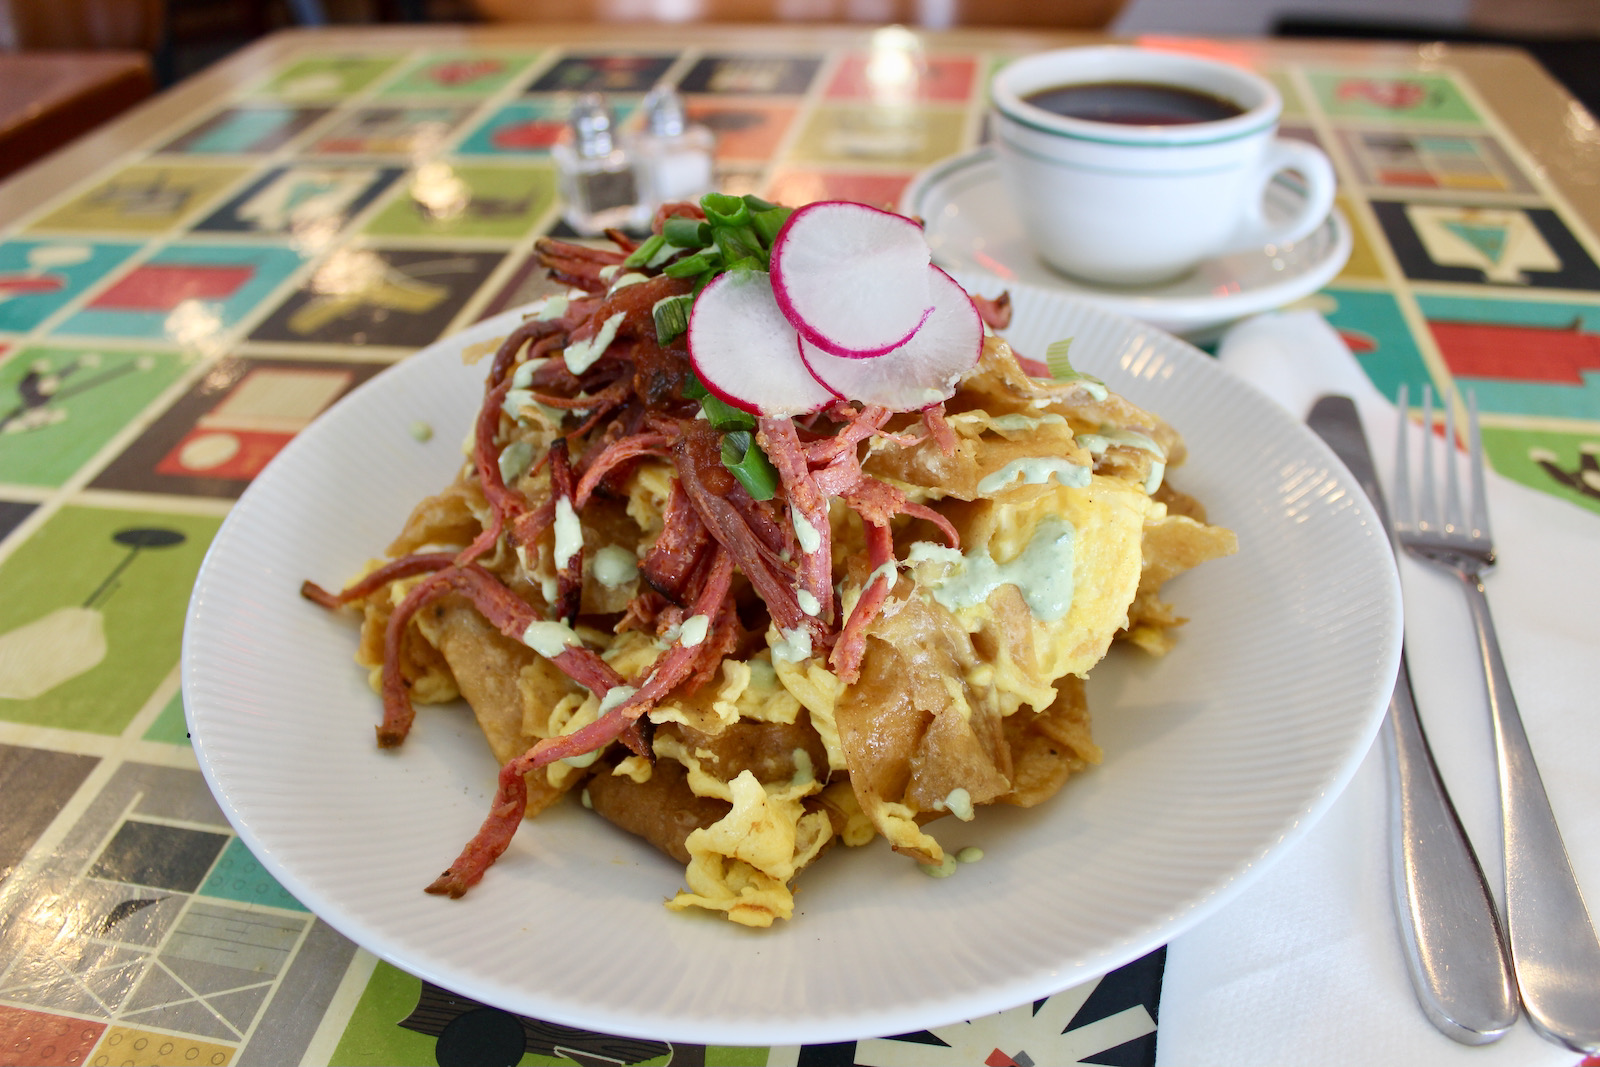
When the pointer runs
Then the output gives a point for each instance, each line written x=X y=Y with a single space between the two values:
x=1554 y=950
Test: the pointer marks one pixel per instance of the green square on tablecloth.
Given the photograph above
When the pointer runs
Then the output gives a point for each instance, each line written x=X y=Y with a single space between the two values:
x=59 y=405
x=328 y=77
x=91 y=614
x=1397 y=94
x=460 y=74
x=469 y=201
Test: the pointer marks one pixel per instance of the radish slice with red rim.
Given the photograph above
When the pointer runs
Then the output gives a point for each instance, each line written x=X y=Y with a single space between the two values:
x=745 y=351
x=851 y=279
x=920 y=373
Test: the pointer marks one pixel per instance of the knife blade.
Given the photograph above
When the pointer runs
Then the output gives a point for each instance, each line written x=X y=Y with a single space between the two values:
x=1455 y=946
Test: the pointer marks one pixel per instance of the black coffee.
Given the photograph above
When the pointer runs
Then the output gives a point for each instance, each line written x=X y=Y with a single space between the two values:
x=1134 y=103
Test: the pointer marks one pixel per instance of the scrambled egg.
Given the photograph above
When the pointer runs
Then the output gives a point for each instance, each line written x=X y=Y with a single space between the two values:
x=970 y=686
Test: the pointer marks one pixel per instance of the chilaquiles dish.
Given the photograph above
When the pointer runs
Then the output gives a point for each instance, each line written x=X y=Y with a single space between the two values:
x=747 y=615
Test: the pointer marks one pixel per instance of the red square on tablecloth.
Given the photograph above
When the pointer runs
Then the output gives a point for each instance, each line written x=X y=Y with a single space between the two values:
x=163 y=286
x=796 y=186
x=940 y=78
x=40 y=1039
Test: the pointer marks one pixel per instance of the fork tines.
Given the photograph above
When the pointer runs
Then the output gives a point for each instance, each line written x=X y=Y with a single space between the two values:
x=1421 y=515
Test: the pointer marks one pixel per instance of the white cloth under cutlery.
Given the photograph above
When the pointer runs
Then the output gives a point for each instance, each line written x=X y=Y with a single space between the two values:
x=1305 y=965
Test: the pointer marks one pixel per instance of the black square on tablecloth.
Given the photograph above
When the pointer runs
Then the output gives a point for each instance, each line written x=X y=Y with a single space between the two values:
x=603 y=73
x=751 y=75
x=12 y=512
x=1573 y=267
x=404 y=297
x=165 y=857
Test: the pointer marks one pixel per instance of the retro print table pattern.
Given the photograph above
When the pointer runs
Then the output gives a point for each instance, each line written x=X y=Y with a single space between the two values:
x=173 y=313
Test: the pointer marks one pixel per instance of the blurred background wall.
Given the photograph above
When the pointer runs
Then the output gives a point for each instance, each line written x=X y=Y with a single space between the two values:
x=1249 y=17
x=1564 y=35
x=184 y=35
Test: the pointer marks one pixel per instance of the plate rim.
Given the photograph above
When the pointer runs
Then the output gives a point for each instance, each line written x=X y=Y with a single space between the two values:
x=1188 y=315
x=921 y=1013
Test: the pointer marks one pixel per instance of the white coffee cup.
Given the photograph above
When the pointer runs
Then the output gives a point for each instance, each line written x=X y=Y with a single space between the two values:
x=1132 y=204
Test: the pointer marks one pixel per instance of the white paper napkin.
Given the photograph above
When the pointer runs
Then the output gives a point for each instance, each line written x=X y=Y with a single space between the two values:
x=1305 y=966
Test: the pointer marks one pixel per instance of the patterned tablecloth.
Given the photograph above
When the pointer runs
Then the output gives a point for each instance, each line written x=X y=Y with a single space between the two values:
x=175 y=305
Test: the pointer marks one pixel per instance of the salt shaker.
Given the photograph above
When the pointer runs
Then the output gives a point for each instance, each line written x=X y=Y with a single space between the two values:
x=674 y=156
x=599 y=177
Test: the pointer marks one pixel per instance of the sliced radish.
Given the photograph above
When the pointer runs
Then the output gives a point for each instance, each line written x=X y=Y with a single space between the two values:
x=850 y=278
x=745 y=351
x=919 y=373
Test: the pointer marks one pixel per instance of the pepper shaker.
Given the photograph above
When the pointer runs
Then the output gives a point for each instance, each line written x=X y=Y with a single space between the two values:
x=599 y=178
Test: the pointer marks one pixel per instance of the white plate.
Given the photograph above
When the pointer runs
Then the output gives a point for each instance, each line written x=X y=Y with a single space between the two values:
x=1217 y=757
x=973 y=228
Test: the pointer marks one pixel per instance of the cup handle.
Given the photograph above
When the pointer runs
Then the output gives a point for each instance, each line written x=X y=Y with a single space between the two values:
x=1320 y=185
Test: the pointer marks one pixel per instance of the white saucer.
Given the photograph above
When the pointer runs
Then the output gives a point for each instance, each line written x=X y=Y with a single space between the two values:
x=975 y=234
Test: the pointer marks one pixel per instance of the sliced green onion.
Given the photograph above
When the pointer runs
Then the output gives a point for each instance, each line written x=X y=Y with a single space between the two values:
x=742 y=456
x=724 y=416
x=749 y=263
x=720 y=414
x=640 y=256
x=686 y=233
x=755 y=203
x=724 y=210
x=664 y=253
x=1055 y=357
x=768 y=222
x=671 y=314
x=689 y=266
x=739 y=242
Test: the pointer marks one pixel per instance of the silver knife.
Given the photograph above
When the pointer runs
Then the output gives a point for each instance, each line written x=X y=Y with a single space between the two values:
x=1454 y=945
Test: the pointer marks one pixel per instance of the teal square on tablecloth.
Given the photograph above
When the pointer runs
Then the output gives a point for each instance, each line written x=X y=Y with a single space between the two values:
x=239 y=876
x=170 y=726
x=38 y=278
x=186 y=293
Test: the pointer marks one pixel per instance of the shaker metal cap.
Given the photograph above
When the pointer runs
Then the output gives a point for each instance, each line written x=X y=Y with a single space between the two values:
x=590 y=122
x=663 y=112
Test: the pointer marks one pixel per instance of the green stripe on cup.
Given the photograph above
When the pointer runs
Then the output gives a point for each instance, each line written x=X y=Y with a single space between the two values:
x=1075 y=136
x=1131 y=171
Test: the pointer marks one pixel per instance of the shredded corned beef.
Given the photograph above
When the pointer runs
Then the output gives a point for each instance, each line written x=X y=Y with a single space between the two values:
x=627 y=405
x=511 y=797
